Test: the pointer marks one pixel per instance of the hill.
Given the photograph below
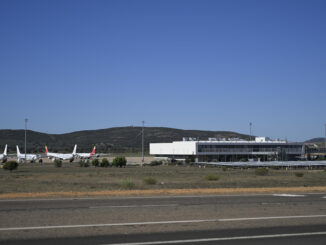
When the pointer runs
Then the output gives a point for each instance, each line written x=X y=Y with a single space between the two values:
x=316 y=140
x=320 y=142
x=119 y=139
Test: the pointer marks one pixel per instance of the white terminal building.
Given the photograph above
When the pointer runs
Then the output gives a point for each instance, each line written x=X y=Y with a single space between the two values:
x=224 y=150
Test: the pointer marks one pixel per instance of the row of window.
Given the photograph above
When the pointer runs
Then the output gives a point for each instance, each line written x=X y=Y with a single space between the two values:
x=216 y=148
x=250 y=146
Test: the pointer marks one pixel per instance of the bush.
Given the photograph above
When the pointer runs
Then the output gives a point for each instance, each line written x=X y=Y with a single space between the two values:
x=58 y=163
x=224 y=168
x=212 y=177
x=190 y=159
x=95 y=162
x=150 y=181
x=10 y=165
x=127 y=184
x=261 y=171
x=105 y=163
x=155 y=163
x=172 y=162
x=84 y=164
x=299 y=174
x=119 y=162
x=179 y=163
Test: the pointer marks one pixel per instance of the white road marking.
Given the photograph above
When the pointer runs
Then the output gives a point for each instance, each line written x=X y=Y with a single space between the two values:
x=288 y=195
x=324 y=197
x=101 y=225
x=225 y=238
x=157 y=222
x=273 y=217
x=136 y=206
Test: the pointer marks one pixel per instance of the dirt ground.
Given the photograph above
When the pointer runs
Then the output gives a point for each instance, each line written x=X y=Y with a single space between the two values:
x=42 y=178
x=130 y=159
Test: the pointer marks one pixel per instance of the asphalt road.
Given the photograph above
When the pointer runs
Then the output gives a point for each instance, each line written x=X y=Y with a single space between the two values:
x=245 y=219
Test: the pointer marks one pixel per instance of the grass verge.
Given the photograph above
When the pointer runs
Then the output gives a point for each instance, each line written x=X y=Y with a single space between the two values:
x=210 y=191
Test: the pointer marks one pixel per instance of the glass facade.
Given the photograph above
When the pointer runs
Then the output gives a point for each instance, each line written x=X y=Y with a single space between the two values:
x=250 y=148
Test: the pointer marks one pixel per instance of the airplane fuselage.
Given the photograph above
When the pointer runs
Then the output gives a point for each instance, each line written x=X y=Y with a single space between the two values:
x=3 y=157
x=83 y=155
x=29 y=157
x=60 y=156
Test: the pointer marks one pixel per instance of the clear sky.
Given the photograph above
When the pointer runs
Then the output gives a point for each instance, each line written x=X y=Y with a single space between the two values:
x=210 y=65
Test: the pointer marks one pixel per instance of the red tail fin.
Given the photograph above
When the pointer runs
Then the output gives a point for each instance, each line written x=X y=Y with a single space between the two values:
x=46 y=150
x=93 y=152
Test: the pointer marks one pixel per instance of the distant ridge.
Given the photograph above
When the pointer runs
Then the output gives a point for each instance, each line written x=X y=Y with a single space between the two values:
x=316 y=140
x=118 y=139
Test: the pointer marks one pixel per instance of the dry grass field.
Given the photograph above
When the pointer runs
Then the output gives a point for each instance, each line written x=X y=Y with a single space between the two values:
x=39 y=178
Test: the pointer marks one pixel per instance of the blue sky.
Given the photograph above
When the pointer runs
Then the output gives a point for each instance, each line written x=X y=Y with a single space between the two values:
x=210 y=65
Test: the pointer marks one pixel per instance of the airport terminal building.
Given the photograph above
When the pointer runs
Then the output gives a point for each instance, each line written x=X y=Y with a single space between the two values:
x=227 y=150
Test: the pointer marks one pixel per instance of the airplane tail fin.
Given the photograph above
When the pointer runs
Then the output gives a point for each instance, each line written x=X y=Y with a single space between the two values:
x=75 y=149
x=5 y=151
x=93 y=152
x=18 y=152
x=46 y=150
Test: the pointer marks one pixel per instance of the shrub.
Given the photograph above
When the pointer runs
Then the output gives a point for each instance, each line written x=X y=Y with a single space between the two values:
x=105 y=163
x=119 y=162
x=95 y=162
x=58 y=163
x=155 y=163
x=150 y=181
x=127 y=184
x=261 y=171
x=10 y=165
x=172 y=162
x=179 y=163
x=224 y=168
x=299 y=174
x=190 y=159
x=212 y=177
x=84 y=164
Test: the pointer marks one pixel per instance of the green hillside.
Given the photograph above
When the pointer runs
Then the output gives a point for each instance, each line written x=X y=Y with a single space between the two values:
x=119 y=139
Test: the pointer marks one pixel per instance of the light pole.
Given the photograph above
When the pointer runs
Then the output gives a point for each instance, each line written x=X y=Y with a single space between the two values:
x=250 y=124
x=26 y=120
x=325 y=138
x=142 y=142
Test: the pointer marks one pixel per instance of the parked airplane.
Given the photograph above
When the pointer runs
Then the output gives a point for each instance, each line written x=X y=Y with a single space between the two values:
x=86 y=155
x=27 y=157
x=61 y=156
x=3 y=157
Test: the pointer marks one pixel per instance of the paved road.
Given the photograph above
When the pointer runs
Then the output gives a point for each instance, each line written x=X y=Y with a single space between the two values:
x=194 y=219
